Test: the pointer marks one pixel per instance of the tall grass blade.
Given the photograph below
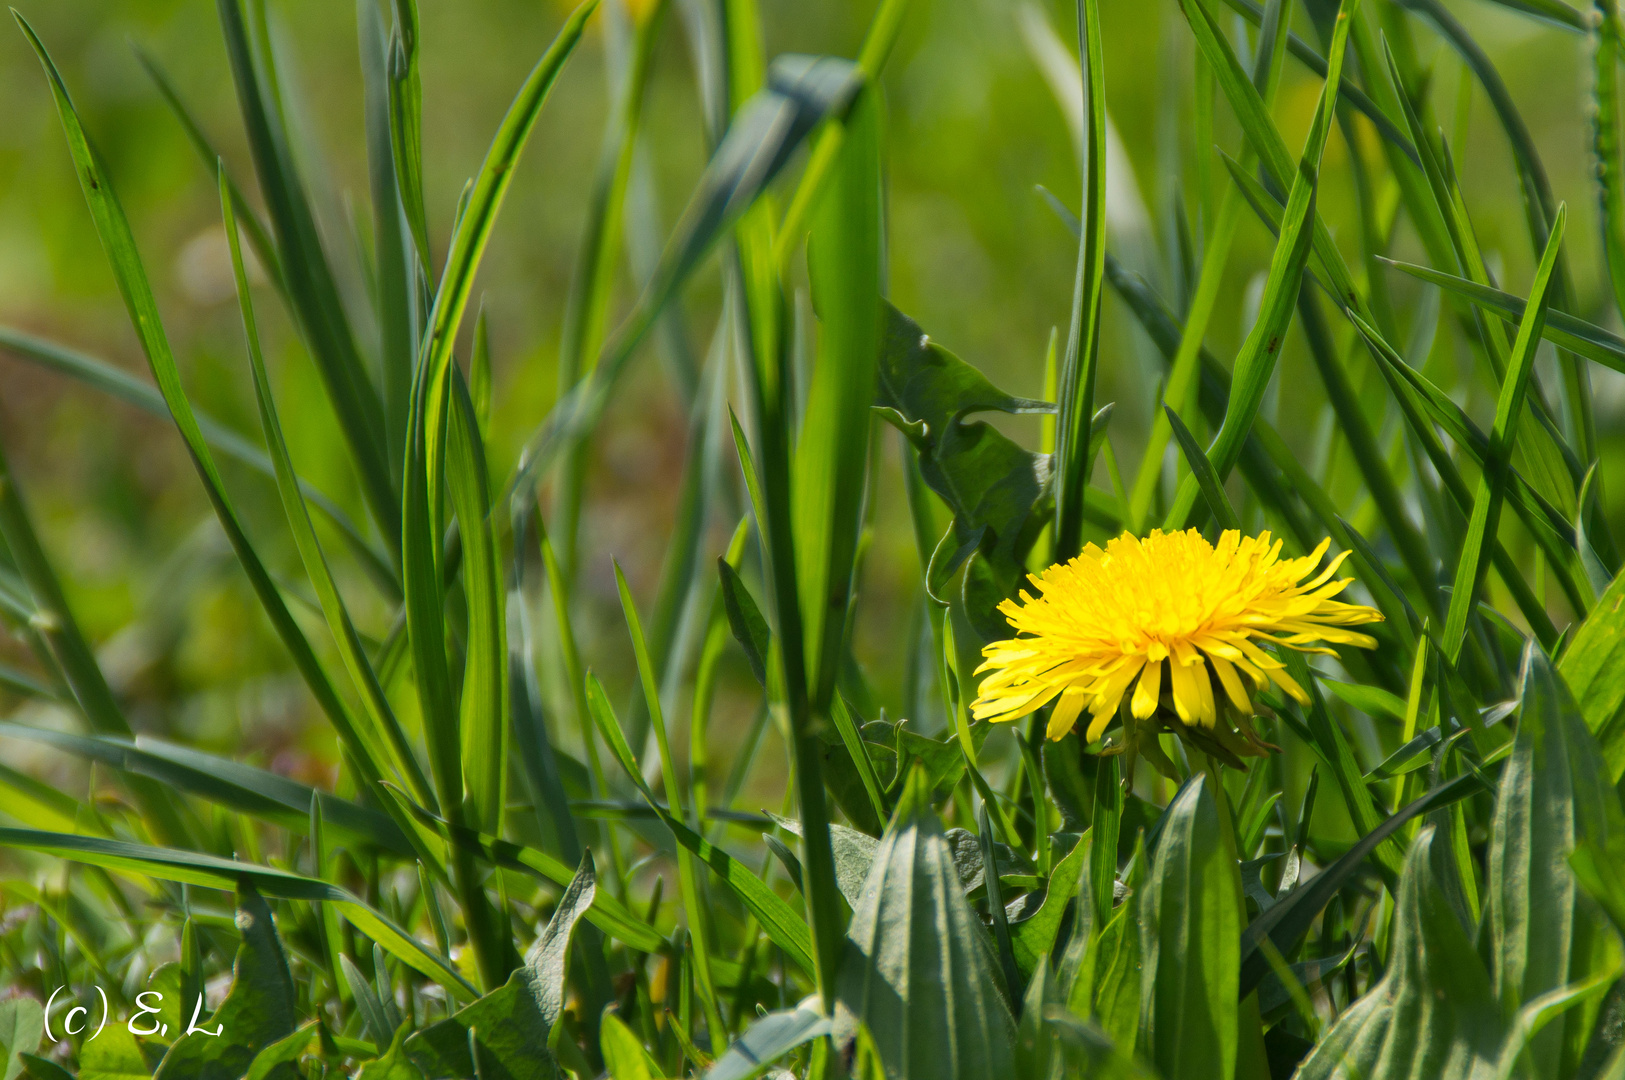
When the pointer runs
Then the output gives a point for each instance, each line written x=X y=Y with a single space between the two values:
x=1074 y=455
x=1493 y=482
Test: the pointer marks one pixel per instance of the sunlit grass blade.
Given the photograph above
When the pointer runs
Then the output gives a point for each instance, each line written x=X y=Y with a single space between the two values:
x=757 y=147
x=318 y=309
x=398 y=273
x=688 y=880
x=1074 y=458
x=1561 y=329
x=1492 y=483
x=259 y=238
x=102 y=376
x=473 y=232
x=229 y=783
x=483 y=721
x=1540 y=205
x=211 y=872
x=365 y=678
x=778 y=919
x=1347 y=91
x=119 y=244
x=1413 y=405
x=1218 y=502
x=1255 y=363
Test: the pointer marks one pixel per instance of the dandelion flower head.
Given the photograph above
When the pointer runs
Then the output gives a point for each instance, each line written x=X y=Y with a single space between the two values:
x=1164 y=617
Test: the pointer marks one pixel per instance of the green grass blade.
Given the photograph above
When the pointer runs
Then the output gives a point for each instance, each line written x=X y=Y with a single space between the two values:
x=476 y=221
x=1255 y=363
x=1561 y=329
x=259 y=238
x=398 y=274
x=211 y=872
x=610 y=915
x=1347 y=91
x=688 y=881
x=229 y=783
x=351 y=649
x=1074 y=458
x=119 y=243
x=1493 y=482
x=777 y=918
x=483 y=721
x=757 y=147
x=100 y=375
x=1202 y=469
x=319 y=312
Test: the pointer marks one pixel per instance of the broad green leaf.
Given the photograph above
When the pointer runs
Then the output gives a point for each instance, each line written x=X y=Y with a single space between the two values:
x=1593 y=666
x=624 y=1054
x=395 y=1064
x=769 y=1038
x=259 y=1010
x=918 y=968
x=509 y=1028
x=114 y=1055
x=991 y=484
x=1190 y=926
x=39 y=1068
x=1033 y=938
x=1554 y=791
x=1433 y=1013
x=22 y=1024
x=277 y=1061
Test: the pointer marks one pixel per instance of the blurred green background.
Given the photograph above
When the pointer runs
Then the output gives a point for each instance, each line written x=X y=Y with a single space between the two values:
x=975 y=256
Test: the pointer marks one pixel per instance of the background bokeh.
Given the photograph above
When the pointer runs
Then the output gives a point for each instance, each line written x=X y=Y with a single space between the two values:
x=975 y=255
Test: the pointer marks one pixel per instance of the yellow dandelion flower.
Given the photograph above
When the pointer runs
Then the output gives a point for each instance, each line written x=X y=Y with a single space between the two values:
x=1106 y=622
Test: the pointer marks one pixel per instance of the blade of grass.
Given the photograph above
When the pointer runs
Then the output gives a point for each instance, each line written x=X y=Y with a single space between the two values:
x=1561 y=329
x=100 y=375
x=688 y=882
x=1184 y=377
x=211 y=872
x=483 y=721
x=777 y=918
x=119 y=243
x=1255 y=363
x=350 y=646
x=319 y=312
x=1492 y=482
x=1073 y=459
x=398 y=281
